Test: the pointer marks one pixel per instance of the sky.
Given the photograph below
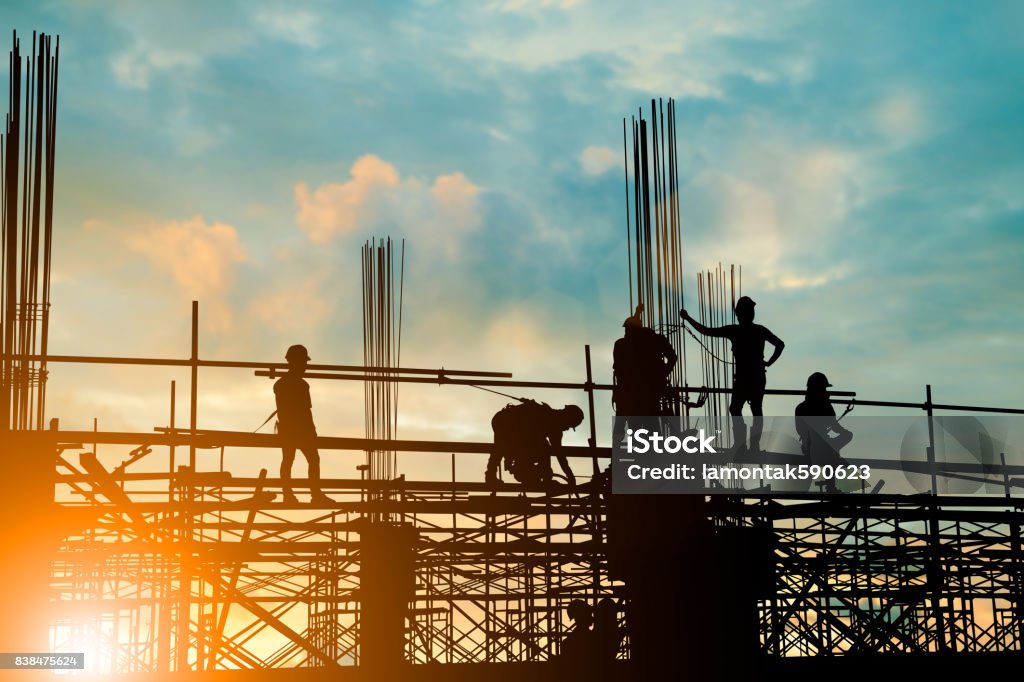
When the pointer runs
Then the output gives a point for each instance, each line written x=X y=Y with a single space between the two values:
x=862 y=161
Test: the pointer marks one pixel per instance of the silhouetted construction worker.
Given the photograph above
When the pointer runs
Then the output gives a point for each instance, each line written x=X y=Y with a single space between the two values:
x=526 y=436
x=749 y=379
x=607 y=635
x=576 y=649
x=816 y=420
x=295 y=425
x=643 y=360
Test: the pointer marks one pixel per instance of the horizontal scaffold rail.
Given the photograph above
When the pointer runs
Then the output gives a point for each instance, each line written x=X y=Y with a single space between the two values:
x=217 y=439
x=244 y=364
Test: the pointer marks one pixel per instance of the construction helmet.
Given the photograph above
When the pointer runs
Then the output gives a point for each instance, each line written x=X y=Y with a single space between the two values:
x=577 y=608
x=297 y=352
x=573 y=415
x=818 y=380
x=745 y=302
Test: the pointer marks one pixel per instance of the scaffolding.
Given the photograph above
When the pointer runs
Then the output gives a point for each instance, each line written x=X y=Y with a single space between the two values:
x=218 y=575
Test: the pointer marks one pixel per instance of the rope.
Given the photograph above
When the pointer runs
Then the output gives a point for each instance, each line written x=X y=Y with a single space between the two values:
x=265 y=421
x=482 y=388
x=677 y=327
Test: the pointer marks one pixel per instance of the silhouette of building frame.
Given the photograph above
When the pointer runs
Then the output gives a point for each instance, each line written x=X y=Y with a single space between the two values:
x=160 y=560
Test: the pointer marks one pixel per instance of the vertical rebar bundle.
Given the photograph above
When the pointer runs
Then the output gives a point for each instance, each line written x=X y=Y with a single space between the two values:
x=653 y=237
x=27 y=149
x=382 y=346
x=717 y=292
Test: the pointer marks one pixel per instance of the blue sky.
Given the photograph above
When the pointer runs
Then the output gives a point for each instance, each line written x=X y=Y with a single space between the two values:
x=862 y=161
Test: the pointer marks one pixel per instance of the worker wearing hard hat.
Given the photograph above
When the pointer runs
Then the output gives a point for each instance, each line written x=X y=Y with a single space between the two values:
x=295 y=425
x=527 y=435
x=816 y=423
x=749 y=376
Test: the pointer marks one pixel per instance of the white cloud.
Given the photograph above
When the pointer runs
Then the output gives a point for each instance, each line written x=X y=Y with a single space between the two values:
x=198 y=255
x=498 y=134
x=676 y=51
x=456 y=200
x=134 y=67
x=774 y=223
x=902 y=116
x=191 y=138
x=338 y=208
x=376 y=196
x=791 y=280
x=292 y=305
x=200 y=258
x=598 y=160
x=292 y=25
x=534 y=5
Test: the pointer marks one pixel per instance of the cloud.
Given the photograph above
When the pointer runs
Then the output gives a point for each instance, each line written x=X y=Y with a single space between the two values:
x=298 y=305
x=338 y=208
x=791 y=280
x=200 y=258
x=190 y=138
x=783 y=228
x=692 y=51
x=534 y=5
x=135 y=67
x=598 y=160
x=456 y=200
x=295 y=26
x=901 y=116
x=377 y=198
x=152 y=39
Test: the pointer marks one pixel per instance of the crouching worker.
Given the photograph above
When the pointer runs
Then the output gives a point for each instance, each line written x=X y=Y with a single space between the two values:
x=821 y=434
x=526 y=437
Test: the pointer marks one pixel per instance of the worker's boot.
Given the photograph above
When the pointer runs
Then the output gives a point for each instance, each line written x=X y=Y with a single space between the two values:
x=288 y=497
x=491 y=475
x=755 y=436
x=317 y=498
x=739 y=437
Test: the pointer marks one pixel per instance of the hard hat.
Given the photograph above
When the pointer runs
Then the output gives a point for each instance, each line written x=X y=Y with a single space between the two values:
x=635 y=320
x=574 y=413
x=296 y=352
x=577 y=608
x=817 y=380
x=745 y=302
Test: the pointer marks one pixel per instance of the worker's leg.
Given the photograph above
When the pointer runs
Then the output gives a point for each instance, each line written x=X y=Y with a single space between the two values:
x=287 y=459
x=739 y=427
x=492 y=474
x=756 y=409
x=312 y=456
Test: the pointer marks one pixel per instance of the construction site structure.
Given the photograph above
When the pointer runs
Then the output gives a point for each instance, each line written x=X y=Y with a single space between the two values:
x=161 y=572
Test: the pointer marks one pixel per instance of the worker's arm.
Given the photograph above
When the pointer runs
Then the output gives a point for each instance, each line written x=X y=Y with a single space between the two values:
x=838 y=429
x=779 y=345
x=555 y=441
x=707 y=331
x=563 y=462
x=701 y=399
